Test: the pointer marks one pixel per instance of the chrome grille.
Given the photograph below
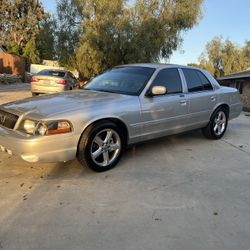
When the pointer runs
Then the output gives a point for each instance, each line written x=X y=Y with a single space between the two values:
x=7 y=119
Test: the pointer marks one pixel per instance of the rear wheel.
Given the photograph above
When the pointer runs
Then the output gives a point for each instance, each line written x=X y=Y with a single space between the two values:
x=101 y=146
x=217 y=126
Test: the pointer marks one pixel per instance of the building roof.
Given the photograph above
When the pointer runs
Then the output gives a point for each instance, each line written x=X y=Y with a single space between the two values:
x=239 y=75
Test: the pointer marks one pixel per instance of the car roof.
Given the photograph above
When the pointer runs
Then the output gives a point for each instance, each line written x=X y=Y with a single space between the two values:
x=154 y=65
x=56 y=70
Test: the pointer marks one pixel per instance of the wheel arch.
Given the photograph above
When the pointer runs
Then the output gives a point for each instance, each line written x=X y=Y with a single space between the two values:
x=221 y=105
x=121 y=124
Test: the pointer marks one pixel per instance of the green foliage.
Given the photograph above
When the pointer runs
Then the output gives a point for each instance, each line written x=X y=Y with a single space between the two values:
x=193 y=65
x=118 y=32
x=19 y=21
x=30 y=52
x=19 y=26
x=46 y=38
x=246 y=53
x=13 y=48
x=224 y=57
x=93 y=36
x=68 y=31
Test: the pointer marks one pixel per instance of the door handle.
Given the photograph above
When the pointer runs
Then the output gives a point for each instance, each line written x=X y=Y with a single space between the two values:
x=212 y=98
x=183 y=102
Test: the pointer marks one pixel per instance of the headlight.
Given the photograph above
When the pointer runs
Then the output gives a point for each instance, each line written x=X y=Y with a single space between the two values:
x=53 y=127
x=45 y=128
x=28 y=127
x=42 y=129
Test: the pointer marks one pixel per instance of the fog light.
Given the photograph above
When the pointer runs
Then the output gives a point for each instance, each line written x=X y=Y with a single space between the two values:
x=30 y=158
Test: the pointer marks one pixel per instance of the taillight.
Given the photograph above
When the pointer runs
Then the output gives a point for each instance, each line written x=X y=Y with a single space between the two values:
x=62 y=82
x=33 y=79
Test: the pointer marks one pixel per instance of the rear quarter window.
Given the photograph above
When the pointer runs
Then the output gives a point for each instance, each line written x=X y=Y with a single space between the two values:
x=205 y=82
x=196 y=80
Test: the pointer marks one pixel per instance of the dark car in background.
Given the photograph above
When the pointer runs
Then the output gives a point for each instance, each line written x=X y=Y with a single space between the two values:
x=52 y=81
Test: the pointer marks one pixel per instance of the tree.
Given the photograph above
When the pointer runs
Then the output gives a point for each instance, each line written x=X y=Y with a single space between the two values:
x=193 y=65
x=46 y=38
x=13 y=48
x=68 y=32
x=19 y=22
x=246 y=53
x=224 y=57
x=30 y=52
x=214 y=54
x=118 y=32
x=232 y=58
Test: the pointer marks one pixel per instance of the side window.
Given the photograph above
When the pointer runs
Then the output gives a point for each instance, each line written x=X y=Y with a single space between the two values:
x=170 y=79
x=193 y=80
x=196 y=80
x=205 y=82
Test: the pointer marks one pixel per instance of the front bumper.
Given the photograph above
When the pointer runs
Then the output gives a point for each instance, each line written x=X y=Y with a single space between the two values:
x=47 y=149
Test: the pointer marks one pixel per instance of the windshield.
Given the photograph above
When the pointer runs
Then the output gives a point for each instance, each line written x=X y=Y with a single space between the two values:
x=124 y=80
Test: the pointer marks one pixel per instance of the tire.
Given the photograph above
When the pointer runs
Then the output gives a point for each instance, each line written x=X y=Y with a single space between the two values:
x=217 y=125
x=101 y=146
x=35 y=94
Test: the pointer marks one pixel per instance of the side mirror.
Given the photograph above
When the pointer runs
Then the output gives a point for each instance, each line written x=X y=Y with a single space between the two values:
x=158 y=90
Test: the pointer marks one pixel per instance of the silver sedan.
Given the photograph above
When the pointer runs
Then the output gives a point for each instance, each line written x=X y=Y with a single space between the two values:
x=50 y=81
x=125 y=105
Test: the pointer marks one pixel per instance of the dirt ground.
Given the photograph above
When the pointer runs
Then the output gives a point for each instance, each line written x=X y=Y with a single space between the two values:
x=14 y=92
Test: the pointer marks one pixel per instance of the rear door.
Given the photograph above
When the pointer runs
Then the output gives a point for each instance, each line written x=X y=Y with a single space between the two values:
x=201 y=95
x=165 y=114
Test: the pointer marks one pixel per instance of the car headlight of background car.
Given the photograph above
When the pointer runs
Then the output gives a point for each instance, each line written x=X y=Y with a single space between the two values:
x=32 y=127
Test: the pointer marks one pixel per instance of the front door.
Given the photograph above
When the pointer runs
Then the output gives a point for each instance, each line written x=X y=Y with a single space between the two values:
x=164 y=114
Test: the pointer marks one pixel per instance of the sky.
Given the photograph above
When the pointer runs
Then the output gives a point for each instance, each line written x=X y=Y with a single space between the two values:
x=226 y=18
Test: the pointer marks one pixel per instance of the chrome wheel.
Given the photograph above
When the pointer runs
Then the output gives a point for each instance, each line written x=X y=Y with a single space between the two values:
x=105 y=147
x=220 y=123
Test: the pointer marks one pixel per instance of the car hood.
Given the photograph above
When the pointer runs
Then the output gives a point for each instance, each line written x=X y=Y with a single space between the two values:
x=55 y=104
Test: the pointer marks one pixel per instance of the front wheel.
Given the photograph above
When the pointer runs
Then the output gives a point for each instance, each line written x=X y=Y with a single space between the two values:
x=217 y=125
x=101 y=146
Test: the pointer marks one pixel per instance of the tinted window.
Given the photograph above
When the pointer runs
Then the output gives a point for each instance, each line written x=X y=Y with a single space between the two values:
x=51 y=73
x=124 y=80
x=170 y=79
x=193 y=80
x=205 y=82
x=196 y=80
